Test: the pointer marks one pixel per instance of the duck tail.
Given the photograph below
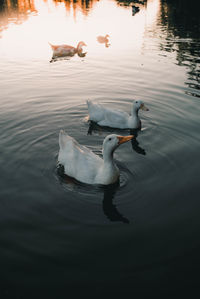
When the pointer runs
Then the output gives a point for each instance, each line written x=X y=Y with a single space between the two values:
x=88 y=102
x=52 y=46
x=62 y=138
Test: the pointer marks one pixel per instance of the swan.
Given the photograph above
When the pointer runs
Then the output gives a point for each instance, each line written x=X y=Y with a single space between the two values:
x=115 y=118
x=82 y=164
x=66 y=50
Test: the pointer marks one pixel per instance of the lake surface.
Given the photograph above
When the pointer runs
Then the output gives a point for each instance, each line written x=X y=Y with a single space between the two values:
x=62 y=239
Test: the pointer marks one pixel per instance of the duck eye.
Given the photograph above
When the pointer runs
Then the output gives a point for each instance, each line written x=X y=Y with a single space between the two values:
x=136 y=102
x=109 y=139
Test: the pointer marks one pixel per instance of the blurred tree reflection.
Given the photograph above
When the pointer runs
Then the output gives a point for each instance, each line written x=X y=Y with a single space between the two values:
x=16 y=11
x=181 y=18
x=128 y=3
x=84 y=5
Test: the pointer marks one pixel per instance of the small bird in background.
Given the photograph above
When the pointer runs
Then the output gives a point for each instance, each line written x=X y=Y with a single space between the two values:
x=135 y=9
x=104 y=40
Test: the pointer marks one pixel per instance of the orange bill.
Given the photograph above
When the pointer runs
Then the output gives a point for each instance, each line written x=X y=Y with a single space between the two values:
x=143 y=107
x=123 y=139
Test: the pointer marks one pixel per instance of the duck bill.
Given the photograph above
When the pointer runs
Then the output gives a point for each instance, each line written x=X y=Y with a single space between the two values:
x=123 y=139
x=143 y=107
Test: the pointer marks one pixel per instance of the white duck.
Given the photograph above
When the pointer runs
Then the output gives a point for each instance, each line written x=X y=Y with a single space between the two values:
x=82 y=164
x=66 y=50
x=115 y=118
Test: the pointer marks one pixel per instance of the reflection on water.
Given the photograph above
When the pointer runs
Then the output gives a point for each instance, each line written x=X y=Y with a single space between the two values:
x=110 y=210
x=94 y=127
x=77 y=5
x=81 y=54
x=18 y=11
x=135 y=9
x=128 y=3
x=181 y=18
x=15 y=11
x=135 y=143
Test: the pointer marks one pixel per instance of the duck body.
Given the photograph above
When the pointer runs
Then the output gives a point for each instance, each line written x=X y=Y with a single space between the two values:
x=116 y=118
x=66 y=50
x=82 y=164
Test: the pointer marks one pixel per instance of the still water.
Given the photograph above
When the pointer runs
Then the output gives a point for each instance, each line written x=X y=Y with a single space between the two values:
x=58 y=236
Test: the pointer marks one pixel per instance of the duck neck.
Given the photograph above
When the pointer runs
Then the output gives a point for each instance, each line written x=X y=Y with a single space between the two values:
x=110 y=170
x=134 y=112
x=79 y=48
x=108 y=157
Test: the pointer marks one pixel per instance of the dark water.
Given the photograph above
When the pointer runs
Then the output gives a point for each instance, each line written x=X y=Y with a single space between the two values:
x=62 y=239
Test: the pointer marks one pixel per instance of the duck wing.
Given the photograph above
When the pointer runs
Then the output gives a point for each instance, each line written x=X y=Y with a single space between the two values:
x=114 y=119
x=56 y=47
x=96 y=111
x=63 y=50
x=67 y=47
x=79 y=162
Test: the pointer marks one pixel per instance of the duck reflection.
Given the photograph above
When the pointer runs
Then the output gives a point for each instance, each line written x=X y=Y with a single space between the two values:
x=67 y=57
x=109 y=208
x=94 y=127
x=109 y=192
x=60 y=51
x=135 y=143
x=104 y=40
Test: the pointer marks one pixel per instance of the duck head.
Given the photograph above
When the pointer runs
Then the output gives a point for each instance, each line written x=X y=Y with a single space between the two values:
x=138 y=104
x=111 y=142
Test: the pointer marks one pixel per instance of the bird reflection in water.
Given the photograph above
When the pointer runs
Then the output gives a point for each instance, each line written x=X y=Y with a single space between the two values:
x=104 y=40
x=94 y=127
x=109 y=208
x=109 y=192
x=135 y=143
x=61 y=52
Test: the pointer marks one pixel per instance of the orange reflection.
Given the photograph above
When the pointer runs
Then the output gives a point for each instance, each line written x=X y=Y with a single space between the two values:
x=68 y=22
x=18 y=11
x=84 y=6
x=19 y=6
x=15 y=11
